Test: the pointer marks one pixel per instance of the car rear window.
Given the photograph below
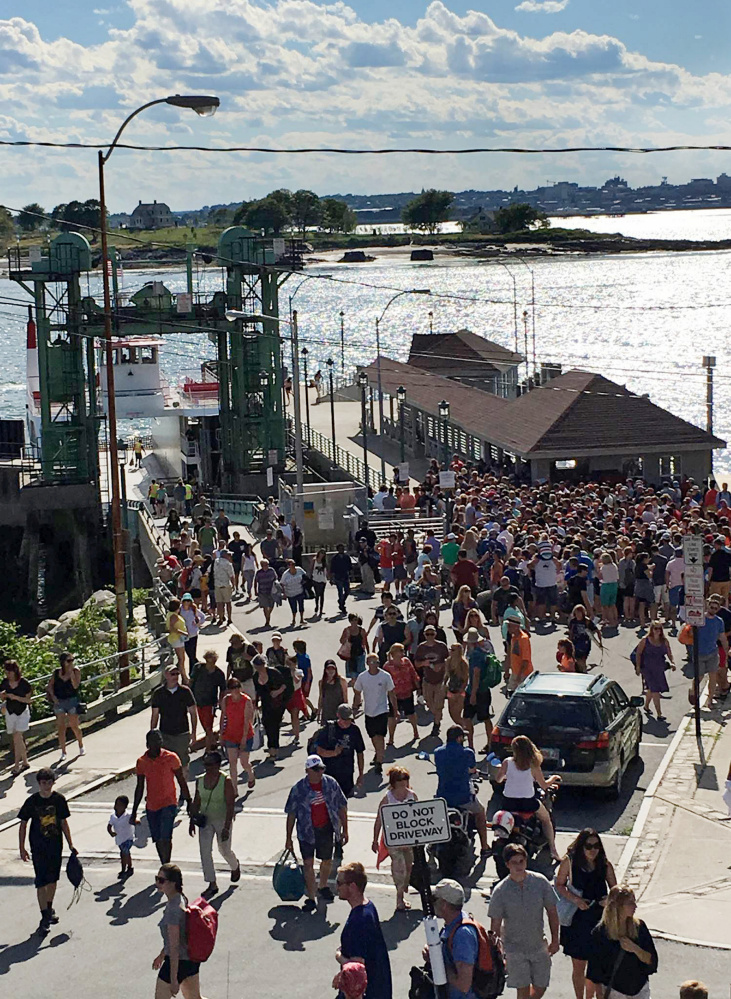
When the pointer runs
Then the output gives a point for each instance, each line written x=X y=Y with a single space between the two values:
x=550 y=712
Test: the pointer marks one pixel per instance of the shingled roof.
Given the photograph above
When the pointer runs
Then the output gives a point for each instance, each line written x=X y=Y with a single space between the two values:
x=446 y=354
x=577 y=413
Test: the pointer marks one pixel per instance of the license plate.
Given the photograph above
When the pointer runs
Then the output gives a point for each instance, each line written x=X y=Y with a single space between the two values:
x=551 y=753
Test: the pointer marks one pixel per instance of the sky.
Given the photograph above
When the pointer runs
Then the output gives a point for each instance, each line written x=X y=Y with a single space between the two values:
x=360 y=74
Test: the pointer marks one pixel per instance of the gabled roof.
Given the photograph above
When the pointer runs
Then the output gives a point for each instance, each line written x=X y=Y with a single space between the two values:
x=446 y=353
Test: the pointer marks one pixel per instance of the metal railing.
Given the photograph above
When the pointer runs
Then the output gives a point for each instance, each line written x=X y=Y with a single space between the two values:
x=383 y=524
x=341 y=457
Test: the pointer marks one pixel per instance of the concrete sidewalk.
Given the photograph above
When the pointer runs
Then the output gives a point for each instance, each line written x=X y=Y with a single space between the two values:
x=677 y=858
x=111 y=749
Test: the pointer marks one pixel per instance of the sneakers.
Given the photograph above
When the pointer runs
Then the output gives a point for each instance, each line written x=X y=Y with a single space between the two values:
x=82 y=751
x=236 y=875
x=310 y=905
x=51 y=915
x=326 y=894
x=63 y=757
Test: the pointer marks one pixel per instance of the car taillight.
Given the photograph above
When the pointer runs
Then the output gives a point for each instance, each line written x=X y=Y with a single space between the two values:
x=601 y=742
x=501 y=738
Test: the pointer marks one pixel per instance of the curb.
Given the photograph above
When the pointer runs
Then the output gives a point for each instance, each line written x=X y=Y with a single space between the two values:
x=672 y=938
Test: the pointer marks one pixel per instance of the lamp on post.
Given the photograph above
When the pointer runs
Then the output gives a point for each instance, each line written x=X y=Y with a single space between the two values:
x=305 y=353
x=342 y=342
x=122 y=461
x=431 y=321
x=401 y=396
x=363 y=382
x=264 y=382
x=330 y=364
x=202 y=105
x=444 y=414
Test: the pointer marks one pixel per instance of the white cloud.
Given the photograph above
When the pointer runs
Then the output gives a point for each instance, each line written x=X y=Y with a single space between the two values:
x=543 y=6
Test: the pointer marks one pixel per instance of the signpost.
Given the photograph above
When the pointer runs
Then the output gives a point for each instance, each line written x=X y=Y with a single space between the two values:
x=695 y=610
x=418 y=824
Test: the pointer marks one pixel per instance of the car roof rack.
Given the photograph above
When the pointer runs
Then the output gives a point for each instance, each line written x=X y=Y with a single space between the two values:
x=596 y=679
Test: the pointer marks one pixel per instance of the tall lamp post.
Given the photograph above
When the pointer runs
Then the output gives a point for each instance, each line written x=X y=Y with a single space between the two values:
x=342 y=342
x=202 y=105
x=264 y=382
x=305 y=354
x=399 y=294
x=401 y=396
x=122 y=457
x=444 y=413
x=363 y=382
x=330 y=364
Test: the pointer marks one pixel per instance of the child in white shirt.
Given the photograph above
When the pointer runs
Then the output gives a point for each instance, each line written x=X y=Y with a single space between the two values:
x=121 y=828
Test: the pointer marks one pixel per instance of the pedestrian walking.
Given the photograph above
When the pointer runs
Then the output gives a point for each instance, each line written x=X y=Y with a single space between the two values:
x=340 y=566
x=194 y=619
x=333 y=692
x=16 y=695
x=63 y=690
x=304 y=663
x=177 y=634
x=248 y=564
x=174 y=712
x=377 y=689
x=339 y=743
x=223 y=574
x=362 y=936
x=274 y=688
x=623 y=954
x=47 y=812
x=121 y=829
x=264 y=586
x=456 y=677
x=212 y=815
x=516 y=910
x=654 y=657
x=584 y=878
x=208 y=685
x=405 y=684
x=237 y=730
x=292 y=582
x=431 y=660
x=158 y=770
x=176 y=972
x=137 y=449
x=402 y=857
x=353 y=650
x=319 y=576
x=319 y=810
x=459 y=936
x=710 y=636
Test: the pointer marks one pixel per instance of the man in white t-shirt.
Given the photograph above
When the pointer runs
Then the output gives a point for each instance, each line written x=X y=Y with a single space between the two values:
x=674 y=581
x=377 y=688
x=545 y=572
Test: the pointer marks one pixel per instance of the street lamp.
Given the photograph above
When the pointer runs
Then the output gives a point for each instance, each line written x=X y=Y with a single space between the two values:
x=202 y=105
x=401 y=396
x=408 y=291
x=264 y=382
x=122 y=461
x=305 y=353
x=431 y=321
x=363 y=382
x=444 y=413
x=330 y=364
x=342 y=342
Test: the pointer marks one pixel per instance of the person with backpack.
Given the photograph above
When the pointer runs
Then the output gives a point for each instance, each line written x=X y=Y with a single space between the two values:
x=176 y=971
x=338 y=743
x=472 y=957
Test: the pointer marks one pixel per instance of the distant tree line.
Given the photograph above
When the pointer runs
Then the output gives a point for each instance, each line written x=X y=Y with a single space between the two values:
x=298 y=210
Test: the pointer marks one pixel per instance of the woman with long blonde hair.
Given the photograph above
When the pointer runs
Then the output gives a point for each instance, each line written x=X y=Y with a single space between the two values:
x=521 y=772
x=623 y=955
x=456 y=675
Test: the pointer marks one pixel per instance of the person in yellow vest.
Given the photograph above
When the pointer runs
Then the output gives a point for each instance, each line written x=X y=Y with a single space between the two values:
x=152 y=495
x=188 y=499
x=137 y=452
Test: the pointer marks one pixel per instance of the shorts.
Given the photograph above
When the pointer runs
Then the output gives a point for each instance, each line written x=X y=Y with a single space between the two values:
x=179 y=643
x=66 y=706
x=405 y=704
x=547 y=595
x=473 y=806
x=297 y=603
x=387 y=574
x=186 y=969
x=399 y=572
x=17 y=723
x=434 y=694
x=708 y=664
x=126 y=846
x=590 y=590
x=178 y=744
x=47 y=864
x=265 y=600
x=323 y=846
x=354 y=667
x=243 y=746
x=224 y=594
x=480 y=710
x=608 y=594
x=722 y=589
x=297 y=702
x=161 y=822
x=205 y=716
x=674 y=595
x=377 y=724
x=529 y=969
x=521 y=804
x=660 y=593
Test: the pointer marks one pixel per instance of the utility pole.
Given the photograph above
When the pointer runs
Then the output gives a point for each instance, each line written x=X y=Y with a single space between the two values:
x=709 y=363
x=298 y=457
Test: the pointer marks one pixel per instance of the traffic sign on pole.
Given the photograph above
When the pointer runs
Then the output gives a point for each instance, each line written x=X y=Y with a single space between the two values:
x=694 y=582
x=416 y=823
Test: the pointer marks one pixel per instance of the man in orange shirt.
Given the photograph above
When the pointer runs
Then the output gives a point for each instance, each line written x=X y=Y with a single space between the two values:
x=519 y=656
x=408 y=500
x=160 y=768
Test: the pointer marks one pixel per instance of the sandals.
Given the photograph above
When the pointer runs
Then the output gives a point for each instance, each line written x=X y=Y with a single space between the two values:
x=404 y=907
x=251 y=782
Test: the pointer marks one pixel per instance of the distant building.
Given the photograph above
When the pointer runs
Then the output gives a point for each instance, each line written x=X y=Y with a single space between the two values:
x=154 y=216
x=465 y=357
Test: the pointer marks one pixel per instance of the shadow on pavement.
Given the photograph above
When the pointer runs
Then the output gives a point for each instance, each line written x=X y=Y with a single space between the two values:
x=294 y=927
x=27 y=949
x=138 y=906
x=400 y=925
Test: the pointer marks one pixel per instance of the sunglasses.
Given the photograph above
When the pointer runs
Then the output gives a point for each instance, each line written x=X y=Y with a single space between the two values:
x=592 y=846
x=173 y=672
x=159 y=880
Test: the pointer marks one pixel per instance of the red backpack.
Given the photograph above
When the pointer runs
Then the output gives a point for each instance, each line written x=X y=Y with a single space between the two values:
x=488 y=978
x=201 y=928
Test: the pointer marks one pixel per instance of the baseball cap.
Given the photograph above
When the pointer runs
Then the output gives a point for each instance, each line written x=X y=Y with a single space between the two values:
x=430 y=627
x=344 y=711
x=449 y=891
x=314 y=762
x=451 y=537
x=277 y=634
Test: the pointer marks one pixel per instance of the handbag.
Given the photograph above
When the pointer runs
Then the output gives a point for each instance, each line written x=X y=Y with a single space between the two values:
x=258 y=733
x=617 y=961
x=565 y=908
x=288 y=879
x=686 y=635
x=344 y=650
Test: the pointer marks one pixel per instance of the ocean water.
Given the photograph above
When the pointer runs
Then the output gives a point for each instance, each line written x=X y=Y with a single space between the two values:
x=643 y=320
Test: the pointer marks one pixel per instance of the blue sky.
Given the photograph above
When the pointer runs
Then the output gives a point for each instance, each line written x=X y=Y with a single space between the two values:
x=364 y=73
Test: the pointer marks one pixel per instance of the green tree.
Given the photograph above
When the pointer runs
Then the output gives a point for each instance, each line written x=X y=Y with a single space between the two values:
x=519 y=217
x=240 y=212
x=77 y=215
x=7 y=229
x=283 y=197
x=306 y=209
x=266 y=214
x=28 y=219
x=337 y=217
x=427 y=210
x=220 y=216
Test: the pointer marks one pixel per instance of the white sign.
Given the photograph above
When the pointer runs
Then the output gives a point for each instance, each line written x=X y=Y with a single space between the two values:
x=447 y=480
x=416 y=823
x=270 y=477
x=273 y=457
x=695 y=603
x=403 y=472
x=184 y=302
x=326 y=518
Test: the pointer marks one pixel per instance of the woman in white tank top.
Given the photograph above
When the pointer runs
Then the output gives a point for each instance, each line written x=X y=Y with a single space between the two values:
x=402 y=857
x=520 y=773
